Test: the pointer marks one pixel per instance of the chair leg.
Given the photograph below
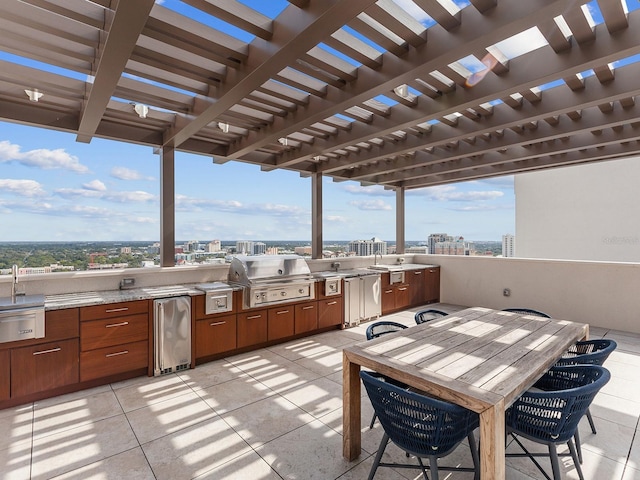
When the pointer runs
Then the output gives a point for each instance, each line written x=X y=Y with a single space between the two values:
x=576 y=437
x=433 y=465
x=593 y=427
x=574 y=455
x=555 y=464
x=373 y=420
x=381 y=449
x=474 y=455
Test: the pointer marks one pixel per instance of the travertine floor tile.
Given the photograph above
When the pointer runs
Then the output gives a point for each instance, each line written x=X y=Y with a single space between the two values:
x=130 y=465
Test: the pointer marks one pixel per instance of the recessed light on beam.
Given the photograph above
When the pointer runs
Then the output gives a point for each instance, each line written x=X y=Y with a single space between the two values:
x=141 y=109
x=34 y=95
x=224 y=127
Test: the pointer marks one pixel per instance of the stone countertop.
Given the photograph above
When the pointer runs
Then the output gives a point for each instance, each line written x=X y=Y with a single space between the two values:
x=85 y=299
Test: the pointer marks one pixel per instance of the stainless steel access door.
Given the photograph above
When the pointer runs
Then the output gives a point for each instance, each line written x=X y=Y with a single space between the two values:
x=172 y=334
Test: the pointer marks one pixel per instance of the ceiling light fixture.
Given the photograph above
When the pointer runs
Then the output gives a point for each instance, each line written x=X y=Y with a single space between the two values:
x=141 y=109
x=34 y=95
x=402 y=90
x=283 y=141
x=224 y=127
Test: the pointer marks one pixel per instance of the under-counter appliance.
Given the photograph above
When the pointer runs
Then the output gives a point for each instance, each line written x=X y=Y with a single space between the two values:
x=218 y=297
x=271 y=279
x=172 y=334
x=21 y=317
x=362 y=298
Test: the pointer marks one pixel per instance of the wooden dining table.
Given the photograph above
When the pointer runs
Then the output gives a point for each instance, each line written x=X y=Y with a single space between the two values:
x=479 y=358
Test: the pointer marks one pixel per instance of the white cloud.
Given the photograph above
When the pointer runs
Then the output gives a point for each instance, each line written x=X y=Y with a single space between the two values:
x=374 y=190
x=24 y=188
x=93 y=190
x=96 y=185
x=371 y=205
x=41 y=158
x=124 y=173
x=186 y=203
x=335 y=219
x=449 y=193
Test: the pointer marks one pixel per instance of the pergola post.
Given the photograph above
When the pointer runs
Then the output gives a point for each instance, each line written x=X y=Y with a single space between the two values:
x=400 y=216
x=167 y=207
x=316 y=216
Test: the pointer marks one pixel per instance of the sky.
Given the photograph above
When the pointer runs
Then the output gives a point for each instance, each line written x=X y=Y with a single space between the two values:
x=53 y=188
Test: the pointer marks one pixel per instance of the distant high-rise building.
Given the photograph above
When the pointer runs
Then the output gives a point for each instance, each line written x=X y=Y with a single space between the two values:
x=125 y=250
x=214 y=246
x=435 y=238
x=192 y=246
x=363 y=248
x=456 y=246
x=244 y=247
x=259 y=248
x=508 y=245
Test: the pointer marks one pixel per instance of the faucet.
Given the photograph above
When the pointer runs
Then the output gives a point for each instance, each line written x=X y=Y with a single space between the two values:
x=14 y=283
x=375 y=257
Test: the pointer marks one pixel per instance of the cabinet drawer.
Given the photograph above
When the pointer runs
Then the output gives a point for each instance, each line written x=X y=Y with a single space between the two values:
x=113 y=360
x=216 y=335
x=117 y=331
x=43 y=367
x=330 y=312
x=5 y=374
x=280 y=322
x=306 y=316
x=252 y=328
x=111 y=310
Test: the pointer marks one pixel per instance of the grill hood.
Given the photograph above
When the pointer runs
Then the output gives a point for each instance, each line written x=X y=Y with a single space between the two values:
x=248 y=270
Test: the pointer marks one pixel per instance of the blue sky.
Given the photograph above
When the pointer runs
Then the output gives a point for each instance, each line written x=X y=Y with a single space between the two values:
x=53 y=188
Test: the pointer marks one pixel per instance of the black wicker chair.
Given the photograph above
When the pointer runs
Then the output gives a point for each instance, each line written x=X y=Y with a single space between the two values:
x=549 y=413
x=526 y=311
x=376 y=330
x=381 y=328
x=424 y=316
x=422 y=426
x=588 y=352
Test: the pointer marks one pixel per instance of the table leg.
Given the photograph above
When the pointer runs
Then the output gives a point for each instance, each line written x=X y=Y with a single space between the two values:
x=351 y=425
x=492 y=460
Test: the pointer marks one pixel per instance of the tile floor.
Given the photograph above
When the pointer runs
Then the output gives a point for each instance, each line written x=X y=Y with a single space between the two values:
x=270 y=414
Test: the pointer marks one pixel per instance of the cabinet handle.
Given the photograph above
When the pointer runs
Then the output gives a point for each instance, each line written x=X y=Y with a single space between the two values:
x=215 y=324
x=111 y=310
x=307 y=307
x=418 y=272
x=121 y=324
x=432 y=271
x=402 y=288
x=253 y=317
x=388 y=291
x=332 y=303
x=282 y=312
x=124 y=352
x=42 y=352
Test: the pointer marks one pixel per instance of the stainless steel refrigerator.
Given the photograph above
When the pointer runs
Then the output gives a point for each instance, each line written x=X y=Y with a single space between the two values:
x=362 y=299
x=172 y=334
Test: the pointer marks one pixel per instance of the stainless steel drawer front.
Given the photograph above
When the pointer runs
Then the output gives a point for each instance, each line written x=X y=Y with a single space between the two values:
x=21 y=324
x=218 y=302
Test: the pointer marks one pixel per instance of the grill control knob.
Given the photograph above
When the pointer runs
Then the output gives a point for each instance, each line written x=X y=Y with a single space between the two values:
x=301 y=290
x=284 y=294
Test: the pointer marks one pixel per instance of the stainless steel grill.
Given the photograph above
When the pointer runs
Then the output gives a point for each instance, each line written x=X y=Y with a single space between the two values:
x=271 y=279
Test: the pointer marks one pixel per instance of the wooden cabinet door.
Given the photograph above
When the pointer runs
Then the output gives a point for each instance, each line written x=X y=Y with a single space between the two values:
x=216 y=335
x=415 y=279
x=280 y=322
x=306 y=317
x=388 y=299
x=252 y=328
x=402 y=296
x=330 y=312
x=432 y=285
x=38 y=368
x=5 y=374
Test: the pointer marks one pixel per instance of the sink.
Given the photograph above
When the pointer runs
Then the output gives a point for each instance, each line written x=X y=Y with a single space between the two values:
x=386 y=268
x=21 y=301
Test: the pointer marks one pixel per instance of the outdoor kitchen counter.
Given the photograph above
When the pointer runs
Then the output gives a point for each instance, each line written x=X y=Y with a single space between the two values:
x=86 y=299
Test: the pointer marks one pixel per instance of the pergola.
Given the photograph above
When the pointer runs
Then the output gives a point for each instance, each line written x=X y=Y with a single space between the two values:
x=360 y=90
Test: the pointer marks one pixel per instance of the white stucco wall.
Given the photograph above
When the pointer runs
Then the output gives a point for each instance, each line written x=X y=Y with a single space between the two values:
x=586 y=212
